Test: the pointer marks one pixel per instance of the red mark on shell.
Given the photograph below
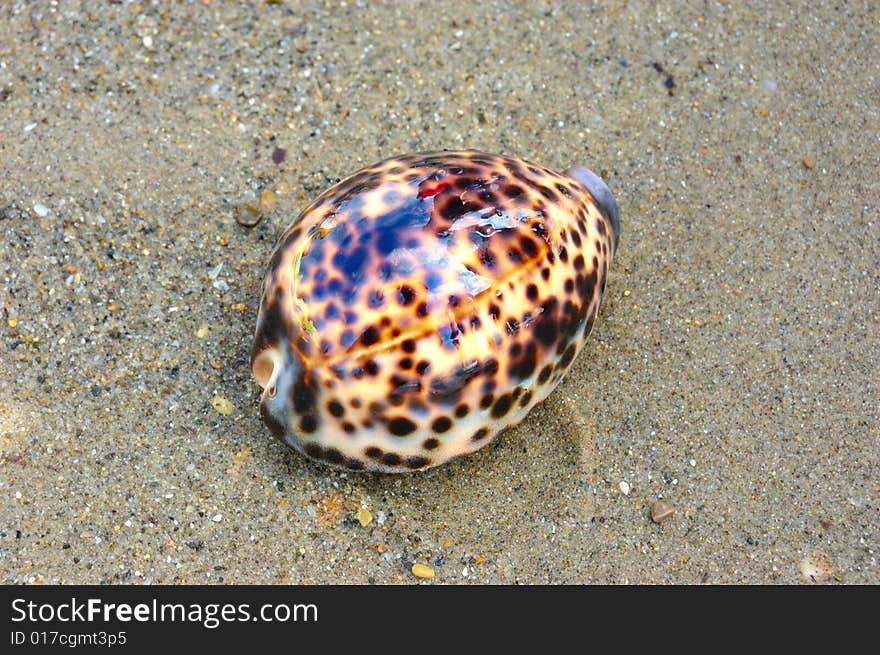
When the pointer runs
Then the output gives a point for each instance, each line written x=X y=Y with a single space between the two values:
x=430 y=187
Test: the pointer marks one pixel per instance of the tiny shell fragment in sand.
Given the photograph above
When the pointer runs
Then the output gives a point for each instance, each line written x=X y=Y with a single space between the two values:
x=248 y=215
x=423 y=571
x=809 y=161
x=816 y=567
x=661 y=510
x=268 y=201
x=222 y=405
x=364 y=517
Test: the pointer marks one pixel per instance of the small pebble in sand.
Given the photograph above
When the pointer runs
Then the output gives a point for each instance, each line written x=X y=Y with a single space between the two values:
x=247 y=214
x=364 y=517
x=809 y=161
x=624 y=487
x=816 y=567
x=268 y=201
x=423 y=571
x=661 y=510
x=279 y=155
x=222 y=405
x=40 y=209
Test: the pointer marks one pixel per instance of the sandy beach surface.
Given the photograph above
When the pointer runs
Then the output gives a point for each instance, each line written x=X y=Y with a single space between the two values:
x=732 y=372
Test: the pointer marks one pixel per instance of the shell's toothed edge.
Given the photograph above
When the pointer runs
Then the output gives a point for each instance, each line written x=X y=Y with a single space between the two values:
x=419 y=307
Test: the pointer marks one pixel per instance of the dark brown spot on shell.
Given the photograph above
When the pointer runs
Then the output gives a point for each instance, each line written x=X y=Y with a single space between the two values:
x=480 y=434
x=354 y=464
x=401 y=426
x=335 y=408
x=545 y=374
x=490 y=367
x=529 y=248
x=370 y=336
x=333 y=456
x=567 y=356
x=502 y=406
x=417 y=462
x=406 y=295
x=275 y=427
x=441 y=424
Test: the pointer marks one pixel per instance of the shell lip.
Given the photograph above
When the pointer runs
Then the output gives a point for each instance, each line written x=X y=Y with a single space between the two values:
x=266 y=366
x=602 y=195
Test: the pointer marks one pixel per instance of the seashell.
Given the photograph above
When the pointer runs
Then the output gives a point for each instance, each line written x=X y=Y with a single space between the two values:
x=417 y=308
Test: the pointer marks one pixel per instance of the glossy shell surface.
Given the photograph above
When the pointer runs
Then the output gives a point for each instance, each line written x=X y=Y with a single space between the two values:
x=427 y=302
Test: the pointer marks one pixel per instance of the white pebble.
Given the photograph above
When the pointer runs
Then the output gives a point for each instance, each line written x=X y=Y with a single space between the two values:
x=148 y=41
x=624 y=487
x=40 y=209
x=693 y=462
x=29 y=127
x=217 y=518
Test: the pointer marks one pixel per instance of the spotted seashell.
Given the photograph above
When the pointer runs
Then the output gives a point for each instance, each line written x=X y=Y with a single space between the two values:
x=427 y=302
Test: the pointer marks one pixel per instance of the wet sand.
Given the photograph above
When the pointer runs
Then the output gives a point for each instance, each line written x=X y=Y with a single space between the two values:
x=732 y=371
